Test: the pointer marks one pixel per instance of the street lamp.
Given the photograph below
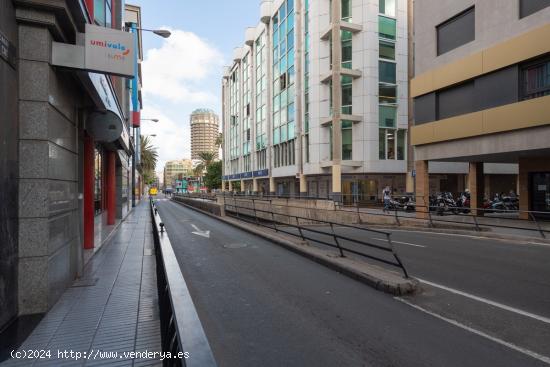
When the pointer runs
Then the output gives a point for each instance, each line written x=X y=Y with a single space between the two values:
x=154 y=120
x=164 y=33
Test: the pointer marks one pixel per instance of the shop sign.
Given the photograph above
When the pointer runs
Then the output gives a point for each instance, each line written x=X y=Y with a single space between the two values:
x=109 y=51
x=7 y=50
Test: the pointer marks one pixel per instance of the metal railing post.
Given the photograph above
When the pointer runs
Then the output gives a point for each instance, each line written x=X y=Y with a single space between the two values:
x=336 y=240
x=255 y=214
x=299 y=228
x=397 y=218
x=537 y=224
x=388 y=236
x=476 y=223
x=273 y=216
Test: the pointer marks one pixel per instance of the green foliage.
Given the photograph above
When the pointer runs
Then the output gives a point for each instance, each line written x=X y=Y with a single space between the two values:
x=206 y=159
x=213 y=177
x=149 y=158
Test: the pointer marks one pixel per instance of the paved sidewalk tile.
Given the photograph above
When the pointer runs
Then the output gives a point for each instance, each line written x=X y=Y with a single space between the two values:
x=111 y=310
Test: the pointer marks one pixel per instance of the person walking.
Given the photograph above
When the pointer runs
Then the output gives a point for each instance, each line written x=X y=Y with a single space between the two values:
x=386 y=194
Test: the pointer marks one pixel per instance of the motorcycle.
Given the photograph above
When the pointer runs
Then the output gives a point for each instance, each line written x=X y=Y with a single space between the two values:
x=445 y=203
x=463 y=202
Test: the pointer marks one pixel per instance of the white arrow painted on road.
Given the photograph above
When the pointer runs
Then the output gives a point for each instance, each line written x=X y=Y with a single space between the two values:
x=198 y=232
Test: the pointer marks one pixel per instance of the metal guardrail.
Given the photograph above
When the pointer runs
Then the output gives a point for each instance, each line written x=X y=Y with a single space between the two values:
x=181 y=328
x=433 y=218
x=251 y=215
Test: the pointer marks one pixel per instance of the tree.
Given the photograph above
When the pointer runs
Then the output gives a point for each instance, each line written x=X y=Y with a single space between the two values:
x=149 y=158
x=219 y=140
x=213 y=177
x=206 y=159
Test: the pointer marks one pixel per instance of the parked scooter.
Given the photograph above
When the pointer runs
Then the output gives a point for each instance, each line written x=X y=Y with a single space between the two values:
x=463 y=202
x=445 y=203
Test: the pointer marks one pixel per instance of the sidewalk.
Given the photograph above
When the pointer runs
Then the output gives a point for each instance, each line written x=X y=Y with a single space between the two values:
x=112 y=308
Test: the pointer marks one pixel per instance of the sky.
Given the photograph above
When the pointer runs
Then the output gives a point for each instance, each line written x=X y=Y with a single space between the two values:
x=184 y=72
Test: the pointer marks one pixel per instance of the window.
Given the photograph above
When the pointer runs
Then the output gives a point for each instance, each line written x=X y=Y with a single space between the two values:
x=456 y=31
x=387 y=50
x=536 y=79
x=347 y=95
x=528 y=7
x=387 y=116
x=387 y=94
x=387 y=7
x=346 y=49
x=347 y=140
x=103 y=14
x=387 y=27
x=387 y=72
x=346 y=10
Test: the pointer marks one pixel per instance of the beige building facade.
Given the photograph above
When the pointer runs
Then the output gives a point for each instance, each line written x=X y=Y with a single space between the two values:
x=204 y=132
x=173 y=169
x=481 y=93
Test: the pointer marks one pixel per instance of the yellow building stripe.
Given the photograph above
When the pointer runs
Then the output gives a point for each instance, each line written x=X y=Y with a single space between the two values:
x=520 y=115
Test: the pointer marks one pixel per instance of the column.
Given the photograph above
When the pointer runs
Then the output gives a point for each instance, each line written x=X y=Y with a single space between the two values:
x=303 y=185
x=523 y=189
x=223 y=186
x=422 y=189
x=255 y=185
x=336 y=101
x=230 y=186
x=477 y=187
x=111 y=188
x=272 y=189
x=88 y=200
x=242 y=185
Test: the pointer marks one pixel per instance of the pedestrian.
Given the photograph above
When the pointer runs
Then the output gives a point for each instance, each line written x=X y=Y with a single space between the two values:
x=386 y=194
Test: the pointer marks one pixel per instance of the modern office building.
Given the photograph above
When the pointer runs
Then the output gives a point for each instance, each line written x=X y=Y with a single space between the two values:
x=315 y=102
x=65 y=146
x=482 y=92
x=204 y=132
x=174 y=169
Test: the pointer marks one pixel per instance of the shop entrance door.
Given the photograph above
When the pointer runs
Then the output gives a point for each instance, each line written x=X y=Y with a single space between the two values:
x=540 y=193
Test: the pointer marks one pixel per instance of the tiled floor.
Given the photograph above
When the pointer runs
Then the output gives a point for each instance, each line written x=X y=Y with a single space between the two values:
x=112 y=308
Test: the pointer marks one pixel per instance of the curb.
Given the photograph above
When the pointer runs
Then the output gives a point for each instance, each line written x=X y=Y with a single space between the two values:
x=374 y=276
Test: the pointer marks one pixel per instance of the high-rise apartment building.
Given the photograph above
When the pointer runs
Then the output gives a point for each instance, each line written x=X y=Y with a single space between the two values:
x=173 y=169
x=482 y=93
x=204 y=132
x=315 y=102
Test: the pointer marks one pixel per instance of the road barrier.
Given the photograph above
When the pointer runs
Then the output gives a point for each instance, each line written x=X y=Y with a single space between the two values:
x=182 y=332
x=463 y=218
x=279 y=222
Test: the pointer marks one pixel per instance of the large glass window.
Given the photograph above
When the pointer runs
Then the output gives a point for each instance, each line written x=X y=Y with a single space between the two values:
x=103 y=14
x=528 y=7
x=387 y=72
x=284 y=79
x=456 y=31
x=346 y=10
x=387 y=94
x=387 y=50
x=392 y=144
x=387 y=27
x=347 y=53
x=347 y=140
x=387 y=7
x=388 y=116
x=347 y=95
x=536 y=80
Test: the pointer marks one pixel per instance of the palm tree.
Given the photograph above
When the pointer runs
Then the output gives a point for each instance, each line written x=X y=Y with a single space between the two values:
x=219 y=140
x=149 y=158
x=206 y=159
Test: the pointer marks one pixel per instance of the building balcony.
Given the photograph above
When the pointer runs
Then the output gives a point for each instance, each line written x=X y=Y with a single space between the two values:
x=344 y=26
x=354 y=73
x=327 y=121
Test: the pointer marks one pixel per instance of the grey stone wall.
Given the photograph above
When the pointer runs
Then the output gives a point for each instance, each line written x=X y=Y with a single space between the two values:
x=8 y=172
x=48 y=169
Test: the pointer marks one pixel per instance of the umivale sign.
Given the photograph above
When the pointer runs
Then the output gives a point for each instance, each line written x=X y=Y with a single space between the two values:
x=109 y=51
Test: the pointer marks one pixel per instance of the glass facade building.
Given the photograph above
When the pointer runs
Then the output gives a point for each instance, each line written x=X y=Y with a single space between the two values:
x=279 y=96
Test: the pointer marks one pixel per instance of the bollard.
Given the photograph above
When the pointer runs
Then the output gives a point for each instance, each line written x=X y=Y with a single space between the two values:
x=161 y=227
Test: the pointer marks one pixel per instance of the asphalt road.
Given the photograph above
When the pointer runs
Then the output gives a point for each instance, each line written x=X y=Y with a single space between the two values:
x=262 y=305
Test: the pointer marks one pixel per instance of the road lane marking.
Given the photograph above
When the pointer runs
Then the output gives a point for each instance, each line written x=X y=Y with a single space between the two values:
x=198 y=232
x=488 y=301
x=402 y=243
x=527 y=352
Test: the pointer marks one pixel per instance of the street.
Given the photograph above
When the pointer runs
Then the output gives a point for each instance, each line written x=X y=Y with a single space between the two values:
x=261 y=304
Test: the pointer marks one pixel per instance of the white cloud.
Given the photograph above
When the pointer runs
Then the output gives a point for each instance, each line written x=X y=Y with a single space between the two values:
x=175 y=70
x=172 y=136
